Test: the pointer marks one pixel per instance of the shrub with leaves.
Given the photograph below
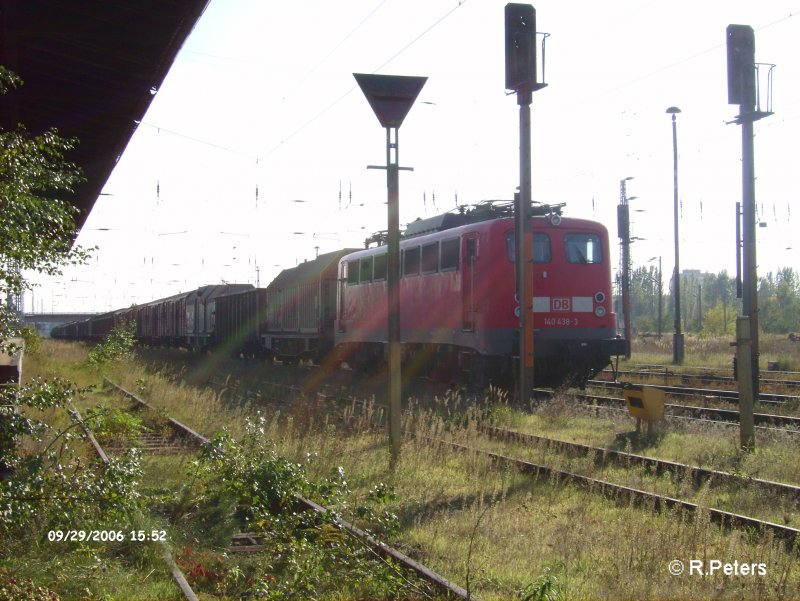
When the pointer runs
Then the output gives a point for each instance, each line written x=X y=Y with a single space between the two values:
x=44 y=485
x=545 y=588
x=37 y=230
x=50 y=487
x=114 y=425
x=118 y=344
x=307 y=555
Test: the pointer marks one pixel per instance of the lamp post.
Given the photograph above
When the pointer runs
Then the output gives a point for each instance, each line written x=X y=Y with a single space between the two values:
x=677 y=339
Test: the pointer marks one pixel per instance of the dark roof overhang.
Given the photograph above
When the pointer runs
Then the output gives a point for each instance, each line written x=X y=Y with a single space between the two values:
x=90 y=69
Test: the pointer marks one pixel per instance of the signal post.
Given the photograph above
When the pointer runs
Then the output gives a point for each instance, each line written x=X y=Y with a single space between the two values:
x=391 y=97
x=520 y=46
x=744 y=90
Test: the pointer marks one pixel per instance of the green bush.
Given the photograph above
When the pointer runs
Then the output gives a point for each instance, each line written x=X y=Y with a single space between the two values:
x=308 y=556
x=118 y=345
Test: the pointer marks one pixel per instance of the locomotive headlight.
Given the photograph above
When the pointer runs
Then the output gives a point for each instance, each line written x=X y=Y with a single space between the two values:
x=599 y=297
x=600 y=311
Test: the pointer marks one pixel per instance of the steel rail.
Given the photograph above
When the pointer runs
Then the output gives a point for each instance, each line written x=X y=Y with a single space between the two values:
x=660 y=465
x=725 y=395
x=181 y=428
x=725 y=519
x=449 y=588
x=384 y=550
x=705 y=377
x=699 y=474
x=166 y=555
x=782 y=422
x=700 y=368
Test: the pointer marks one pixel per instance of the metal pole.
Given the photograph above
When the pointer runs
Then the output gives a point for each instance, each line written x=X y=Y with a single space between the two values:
x=624 y=221
x=391 y=97
x=393 y=289
x=750 y=275
x=525 y=248
x=626 y=292
x=699 y=307
x=739 y=250
x=677 y=340
x=747 y=437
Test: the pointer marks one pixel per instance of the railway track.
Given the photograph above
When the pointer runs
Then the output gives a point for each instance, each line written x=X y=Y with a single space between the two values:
x=725 y=395
x=640 y=497
x=669 y=374
x=784 y=423
x=445 y=586
x=166 y=554
x=702 y=369
x=788 y=535
x=657 y=466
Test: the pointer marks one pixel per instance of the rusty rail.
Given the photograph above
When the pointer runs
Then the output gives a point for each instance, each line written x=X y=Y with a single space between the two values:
x=182 y=428
x=177 y=575
x=659 y=502
x=659 y=466
x=440 y=582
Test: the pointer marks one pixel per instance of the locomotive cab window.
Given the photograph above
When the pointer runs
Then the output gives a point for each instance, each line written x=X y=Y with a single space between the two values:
x=541 y=248
x=583 y=249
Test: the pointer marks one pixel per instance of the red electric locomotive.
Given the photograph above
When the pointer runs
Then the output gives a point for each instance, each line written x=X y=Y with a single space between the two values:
x=458 y=311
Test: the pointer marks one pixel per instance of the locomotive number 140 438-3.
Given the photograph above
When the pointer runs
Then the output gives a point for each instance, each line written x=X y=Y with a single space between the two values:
x=561 y=322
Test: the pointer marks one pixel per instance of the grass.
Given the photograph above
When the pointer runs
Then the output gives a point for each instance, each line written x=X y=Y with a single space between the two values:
x=703 y=444
x=519 y=527
x=489 y=528
x=714 y=352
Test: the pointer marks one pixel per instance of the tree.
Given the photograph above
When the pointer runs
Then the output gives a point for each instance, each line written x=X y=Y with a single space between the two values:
x=779 y=301
x=37 y=231
x=645 y=291
x=38 y=228
x=718 y=321
x=721 y=305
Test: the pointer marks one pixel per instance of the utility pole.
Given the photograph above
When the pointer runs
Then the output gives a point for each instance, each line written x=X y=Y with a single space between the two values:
x=520 y=49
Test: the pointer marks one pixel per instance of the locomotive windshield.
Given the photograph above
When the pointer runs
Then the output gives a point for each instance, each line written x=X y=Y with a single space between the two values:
x=583 y=248
x=541 y=248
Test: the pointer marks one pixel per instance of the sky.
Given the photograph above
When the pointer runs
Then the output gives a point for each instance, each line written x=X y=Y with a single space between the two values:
x=253 y=155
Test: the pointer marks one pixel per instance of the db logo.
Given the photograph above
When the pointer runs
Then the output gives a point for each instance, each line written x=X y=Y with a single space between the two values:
x=561 y=304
